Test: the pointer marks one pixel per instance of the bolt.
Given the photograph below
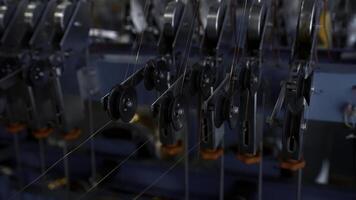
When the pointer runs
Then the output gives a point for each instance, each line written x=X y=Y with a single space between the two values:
x=303 y=126
x=180 y=112
x=129 y=103
x=77 y=24
x=312 y=90
x=234 y=110
x=207 y=80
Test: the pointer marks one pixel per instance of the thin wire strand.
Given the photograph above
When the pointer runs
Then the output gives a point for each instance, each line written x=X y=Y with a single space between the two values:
x=114 y=169
x=161 y=176
x=145 y=11
x=237 y=48
x=167 y=171
x=60 y=160
x=299 y=184
x=12 y=74
x=189 y=42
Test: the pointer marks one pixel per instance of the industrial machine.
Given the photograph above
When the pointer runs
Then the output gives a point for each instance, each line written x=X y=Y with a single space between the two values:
x=177 y=99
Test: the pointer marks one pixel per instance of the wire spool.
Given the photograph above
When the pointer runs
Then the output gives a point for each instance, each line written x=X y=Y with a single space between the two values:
x=62 y=15
x=215 y=21
x=306 y=29
x=171 y=18
x=256 y=23
x=122 y=103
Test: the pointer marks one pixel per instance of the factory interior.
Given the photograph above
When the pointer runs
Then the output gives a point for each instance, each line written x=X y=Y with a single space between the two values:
x=178 y=99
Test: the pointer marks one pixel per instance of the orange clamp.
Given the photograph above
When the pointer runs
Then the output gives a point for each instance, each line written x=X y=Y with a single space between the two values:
x=42 y=133
x=72 y=135
x=211 y=154
x=293 y=165
x=172 y=150
x=15 y=128
x=249 y=159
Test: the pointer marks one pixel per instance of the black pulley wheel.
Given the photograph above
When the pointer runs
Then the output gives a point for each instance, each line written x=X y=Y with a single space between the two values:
x=160 y=75
x=122 y=103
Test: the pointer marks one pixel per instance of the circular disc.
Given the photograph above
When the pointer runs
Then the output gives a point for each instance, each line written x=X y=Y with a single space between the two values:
x=128 y=104
x=122 y=103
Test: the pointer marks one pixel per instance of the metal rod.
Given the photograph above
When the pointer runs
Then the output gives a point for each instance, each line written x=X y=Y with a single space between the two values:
x=186 y=165
x=260 y=173
x=92 y=142
x=66 y=169
x=18 y=162
x=42 y=155
x=222 y=174
x=113 y=170
x=299 y=184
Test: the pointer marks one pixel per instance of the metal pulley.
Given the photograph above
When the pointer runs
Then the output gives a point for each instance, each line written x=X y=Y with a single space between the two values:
x=256 y=24
x=157 y=74
x=172 y=17
x=171 y=120
x=306 y=29
x=215 y=21
x=121 y=103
